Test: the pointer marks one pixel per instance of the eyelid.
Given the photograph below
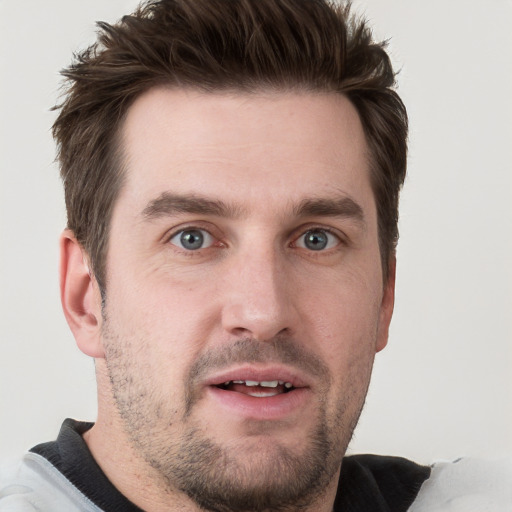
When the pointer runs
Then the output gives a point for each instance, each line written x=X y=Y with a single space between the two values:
x=208 y=239
x=217 y=238
x=304 y=230
x=206 y=227
x=190 y=226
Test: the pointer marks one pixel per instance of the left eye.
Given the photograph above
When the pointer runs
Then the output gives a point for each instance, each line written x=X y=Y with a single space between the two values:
x=192 y=239
x=317 y=240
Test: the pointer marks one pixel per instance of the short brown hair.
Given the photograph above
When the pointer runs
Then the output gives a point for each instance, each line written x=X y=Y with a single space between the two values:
x=215 y=45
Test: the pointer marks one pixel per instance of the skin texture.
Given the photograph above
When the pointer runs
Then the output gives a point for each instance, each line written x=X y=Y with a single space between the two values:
x=257 y=175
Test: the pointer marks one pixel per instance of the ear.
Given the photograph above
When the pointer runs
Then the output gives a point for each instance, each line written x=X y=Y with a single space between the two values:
x=80 y=296
x=387 y=306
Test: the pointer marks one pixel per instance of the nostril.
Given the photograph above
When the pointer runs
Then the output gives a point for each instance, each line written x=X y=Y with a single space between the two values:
x=259 y=318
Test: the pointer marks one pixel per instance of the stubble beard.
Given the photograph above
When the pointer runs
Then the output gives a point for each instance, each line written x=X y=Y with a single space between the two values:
x=270 y=478
x=225 y=478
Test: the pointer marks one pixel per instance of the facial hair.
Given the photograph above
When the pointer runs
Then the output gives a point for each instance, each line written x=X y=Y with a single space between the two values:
x=266 y=476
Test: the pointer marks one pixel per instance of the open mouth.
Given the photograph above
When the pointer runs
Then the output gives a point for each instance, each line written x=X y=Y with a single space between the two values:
x=266 y=394
x=261 y=389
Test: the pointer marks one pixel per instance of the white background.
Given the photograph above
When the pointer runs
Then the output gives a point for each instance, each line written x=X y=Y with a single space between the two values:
x=443 y=387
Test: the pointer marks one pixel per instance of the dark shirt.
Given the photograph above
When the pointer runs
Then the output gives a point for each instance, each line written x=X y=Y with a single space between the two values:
x=368 y=483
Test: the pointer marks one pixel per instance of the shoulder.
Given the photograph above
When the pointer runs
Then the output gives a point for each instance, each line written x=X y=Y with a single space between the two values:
x=32 y=484
x=467 y=485
x=379 y=483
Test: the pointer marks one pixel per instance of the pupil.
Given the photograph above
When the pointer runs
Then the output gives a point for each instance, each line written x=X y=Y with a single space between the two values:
x=192 y=239
x=316 y=240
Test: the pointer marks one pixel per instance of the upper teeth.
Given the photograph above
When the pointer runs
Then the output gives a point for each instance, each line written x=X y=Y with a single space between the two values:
x=263 y=383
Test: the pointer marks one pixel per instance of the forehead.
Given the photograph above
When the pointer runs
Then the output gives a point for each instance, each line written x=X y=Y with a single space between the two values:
x=245 y=148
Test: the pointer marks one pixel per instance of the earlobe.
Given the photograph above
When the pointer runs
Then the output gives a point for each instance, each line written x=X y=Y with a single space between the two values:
x=80 y=297
x=387 y=306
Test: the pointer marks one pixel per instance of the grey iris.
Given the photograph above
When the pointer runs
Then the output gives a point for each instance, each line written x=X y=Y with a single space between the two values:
x=192 y=239
x=316 y=240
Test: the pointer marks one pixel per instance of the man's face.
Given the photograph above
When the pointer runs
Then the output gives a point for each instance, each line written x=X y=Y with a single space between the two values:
x=244 y=299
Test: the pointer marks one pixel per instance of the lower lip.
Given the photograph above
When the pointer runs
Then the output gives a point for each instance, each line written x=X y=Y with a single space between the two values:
x=265 y=408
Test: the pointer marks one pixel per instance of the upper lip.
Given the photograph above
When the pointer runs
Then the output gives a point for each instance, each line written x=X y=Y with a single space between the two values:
x=259 y=374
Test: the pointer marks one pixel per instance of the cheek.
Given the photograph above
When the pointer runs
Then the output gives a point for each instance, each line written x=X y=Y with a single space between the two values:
x=346 y=336
x=145 y=365
x=167 y=309
x=350 y=350
x=345 y=311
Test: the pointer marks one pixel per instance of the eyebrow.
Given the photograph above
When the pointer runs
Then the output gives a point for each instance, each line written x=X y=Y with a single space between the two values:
x=168 y=204
x=330 y=207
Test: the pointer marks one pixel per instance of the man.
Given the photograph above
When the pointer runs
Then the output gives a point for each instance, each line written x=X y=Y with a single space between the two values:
x=231 y=172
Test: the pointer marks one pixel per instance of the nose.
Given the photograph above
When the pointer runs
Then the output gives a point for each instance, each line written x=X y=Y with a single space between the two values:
x=259 y=301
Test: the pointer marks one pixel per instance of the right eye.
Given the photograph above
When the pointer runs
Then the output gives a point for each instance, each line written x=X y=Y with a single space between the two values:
x=192 y=239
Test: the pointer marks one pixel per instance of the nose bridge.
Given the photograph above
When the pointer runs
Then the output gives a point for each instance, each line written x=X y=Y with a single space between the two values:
x=259 y=301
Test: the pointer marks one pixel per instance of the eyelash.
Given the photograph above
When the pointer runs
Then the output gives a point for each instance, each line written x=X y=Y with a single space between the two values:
x=216 y=241
x=317 y=229
x=180 y=232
